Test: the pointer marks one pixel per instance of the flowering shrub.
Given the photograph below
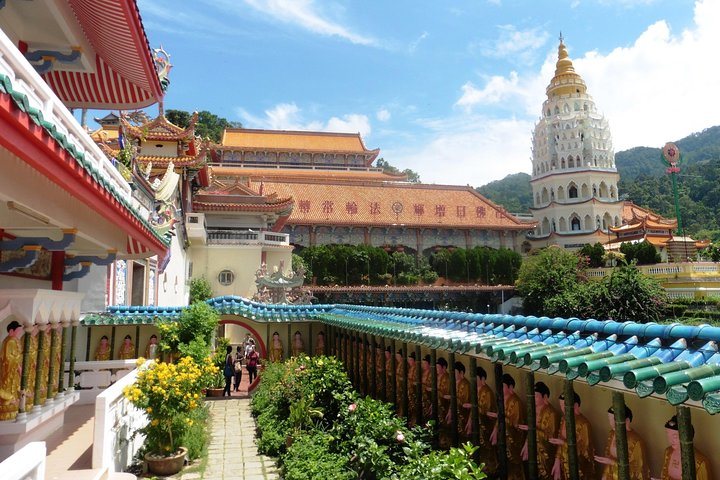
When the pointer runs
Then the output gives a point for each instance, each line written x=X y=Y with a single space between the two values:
x=309 y=415
x=168 y=393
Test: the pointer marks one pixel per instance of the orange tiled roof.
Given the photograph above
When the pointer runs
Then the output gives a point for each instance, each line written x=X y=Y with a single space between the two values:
x=636 y=218
x=239 y=196
x=385 y=204
x=250 y=139
x=282 y=174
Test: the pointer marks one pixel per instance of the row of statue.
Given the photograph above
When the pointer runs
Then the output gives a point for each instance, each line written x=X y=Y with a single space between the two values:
x=127 y=349
x=12 y=396
x=552 y=457
x=276 y=350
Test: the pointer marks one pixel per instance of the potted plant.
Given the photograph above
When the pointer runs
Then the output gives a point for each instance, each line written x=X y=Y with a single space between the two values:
x=168 y=393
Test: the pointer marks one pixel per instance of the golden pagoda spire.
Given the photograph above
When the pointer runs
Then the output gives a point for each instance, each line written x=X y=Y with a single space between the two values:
x=566 y=81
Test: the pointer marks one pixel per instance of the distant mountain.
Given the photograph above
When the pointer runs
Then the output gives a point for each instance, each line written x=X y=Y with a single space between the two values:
x=694 y=148
x=512 y=192
x=644 y=181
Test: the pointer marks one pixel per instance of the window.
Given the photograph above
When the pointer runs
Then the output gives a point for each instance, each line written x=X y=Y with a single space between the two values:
x=226 y=277
x=572 y=192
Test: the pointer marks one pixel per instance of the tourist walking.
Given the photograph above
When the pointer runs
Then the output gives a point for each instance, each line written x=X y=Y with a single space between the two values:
x=252 y=364
x=239 y=357
x=228 y=370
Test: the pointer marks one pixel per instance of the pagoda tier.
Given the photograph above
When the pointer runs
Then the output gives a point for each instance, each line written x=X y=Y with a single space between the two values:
x=278 y=148
x=160 y=128
x=574 y=179
x=232 y=195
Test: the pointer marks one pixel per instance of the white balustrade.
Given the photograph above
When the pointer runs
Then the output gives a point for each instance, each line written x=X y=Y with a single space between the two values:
x=116 y=420
x=28 y=463
x=92 y=378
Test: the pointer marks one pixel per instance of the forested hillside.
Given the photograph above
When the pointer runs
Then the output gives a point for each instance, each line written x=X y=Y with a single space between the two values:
x=512 y=192
x=644 y=181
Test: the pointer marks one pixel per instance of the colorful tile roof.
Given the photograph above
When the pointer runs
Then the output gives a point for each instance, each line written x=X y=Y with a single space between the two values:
x=160 y=128
x=316 y=142
x=239 y=197
x=677 y=362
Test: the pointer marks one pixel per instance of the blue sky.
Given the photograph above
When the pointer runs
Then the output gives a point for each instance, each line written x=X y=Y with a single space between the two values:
x=451 y=89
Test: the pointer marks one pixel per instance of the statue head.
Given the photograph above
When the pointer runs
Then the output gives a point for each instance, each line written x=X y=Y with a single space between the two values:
x=104 y=340
x=628 y=417
x=542 y=394
x=480 y=376
x=441 y=365
x=673 y=434
x=153 y=339
x=426 y=361
x=127 y=340
x=14 y=329
x=576 y=403
x=459 y=371
x=508 y=384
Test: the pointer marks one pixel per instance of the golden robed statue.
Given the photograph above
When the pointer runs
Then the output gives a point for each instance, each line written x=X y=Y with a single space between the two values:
x=637 y=456
x=11 y=369
x=298 y=345
x=672 y=463
x=585 y=448
x=102 y=352
x=127 y=349
x=276 y=351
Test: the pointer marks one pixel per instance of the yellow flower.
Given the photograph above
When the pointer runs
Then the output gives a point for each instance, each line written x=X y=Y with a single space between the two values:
x=155 y=422
x=148 y=409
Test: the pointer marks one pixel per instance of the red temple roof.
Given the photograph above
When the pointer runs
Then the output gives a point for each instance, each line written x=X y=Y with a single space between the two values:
x=124 y=75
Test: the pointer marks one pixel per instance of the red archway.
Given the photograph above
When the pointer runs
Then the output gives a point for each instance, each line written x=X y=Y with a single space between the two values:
x=259 y=342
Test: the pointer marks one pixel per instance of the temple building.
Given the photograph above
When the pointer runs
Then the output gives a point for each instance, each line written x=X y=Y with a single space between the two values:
x=340 y=198
x=574 y=179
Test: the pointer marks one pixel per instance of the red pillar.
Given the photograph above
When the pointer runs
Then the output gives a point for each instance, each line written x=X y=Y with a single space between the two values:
x=57 y=269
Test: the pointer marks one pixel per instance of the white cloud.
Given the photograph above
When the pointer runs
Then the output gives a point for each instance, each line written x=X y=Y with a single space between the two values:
x=473 y=148
x=383 y=115
x=661 y=88
x=305 y=14
x=513 y=45
x=288 y=116
x=413 y=45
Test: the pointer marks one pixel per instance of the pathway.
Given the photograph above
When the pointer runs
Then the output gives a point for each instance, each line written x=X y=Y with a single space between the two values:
x=232 y=454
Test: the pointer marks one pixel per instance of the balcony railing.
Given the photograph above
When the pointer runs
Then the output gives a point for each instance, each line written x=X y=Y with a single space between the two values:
x=246 y=237
x=26 y=81
x=696 y=270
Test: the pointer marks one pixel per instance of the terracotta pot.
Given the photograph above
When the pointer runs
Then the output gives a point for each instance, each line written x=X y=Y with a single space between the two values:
x=166 y=465
x=215 y=392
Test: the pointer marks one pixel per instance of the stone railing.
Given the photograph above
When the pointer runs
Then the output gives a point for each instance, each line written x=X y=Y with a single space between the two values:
x=28 y=463
x=92 y=378
x=26 y=81
x=674 y=270
x=116 y=420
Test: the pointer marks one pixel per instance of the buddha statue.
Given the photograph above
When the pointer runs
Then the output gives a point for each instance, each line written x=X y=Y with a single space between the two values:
x=547 y=421
x=672 y=464
x=276 y=352
x=514 y=435
x=127 y=349
x=584 y=445
x=152 y=348
x=637 y=456
x=11 y=369
x=298 y=345
x=486 y=404
x=102 y=352
x=320 y=344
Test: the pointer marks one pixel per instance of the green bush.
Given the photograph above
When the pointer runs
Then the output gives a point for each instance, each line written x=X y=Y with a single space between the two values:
x=197 y=437
x=309 y=416
x=200 y=290
x=310 y=458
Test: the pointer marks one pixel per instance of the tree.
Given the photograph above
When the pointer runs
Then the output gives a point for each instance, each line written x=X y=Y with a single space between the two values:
x=412 y=176
x=200 y=289
x=552 y=271
x=208 y=125
x=512 y=192
x=595 y=254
